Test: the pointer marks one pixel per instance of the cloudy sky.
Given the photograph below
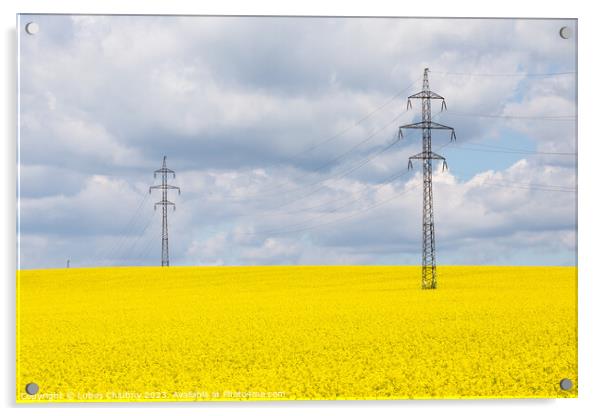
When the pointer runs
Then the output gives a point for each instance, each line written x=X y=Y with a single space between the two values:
x=282 y=132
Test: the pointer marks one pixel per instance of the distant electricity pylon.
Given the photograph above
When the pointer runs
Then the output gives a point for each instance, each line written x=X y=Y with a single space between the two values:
x=429 y=265
x=164 y=187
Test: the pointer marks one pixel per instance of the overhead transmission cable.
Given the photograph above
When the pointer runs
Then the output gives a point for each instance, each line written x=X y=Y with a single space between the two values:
x=516 y=117
x=333 y=137
x=356 y=123
x=529 y=188
x=346 y=172
x=150 y=243
x=519 y=185
x=508 y=74
x=315 y=186
x=108 y=253
x=130 y=250
x=381 y=184
x=386 y=181
x=362 y=162
x=295 y=227
x=504 y=184
x=353 y=214
x=515 y=151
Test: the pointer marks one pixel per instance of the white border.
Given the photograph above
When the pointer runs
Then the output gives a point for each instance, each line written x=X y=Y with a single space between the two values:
x=589 y=186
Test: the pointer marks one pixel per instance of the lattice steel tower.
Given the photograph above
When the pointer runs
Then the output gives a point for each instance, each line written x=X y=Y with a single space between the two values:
x=164 y=203
x=429 y=265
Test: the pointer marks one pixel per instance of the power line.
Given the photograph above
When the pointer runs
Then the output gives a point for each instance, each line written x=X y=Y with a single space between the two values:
x=114 y=249
x=516 y=117
x=354 y=200
x=148 y=246
x=295 y=229
x=504 y=184
x=345 y=130
x=515 y=74
x=517 y=151
x=274 y=192
x=382 y=183
x=345 y=205
x=130 y=250
x=335 y=136
x=376 y=187
x=364 y=162
x=356 y=123
x=339 y=175
x=370 y=207
x=493 y=146
x=533 y=185
x=528 y=188
x=523 y=185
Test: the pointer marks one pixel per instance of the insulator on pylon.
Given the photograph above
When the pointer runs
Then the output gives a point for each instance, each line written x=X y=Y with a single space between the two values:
x=445 y=167
x=400 y=133
x=410 y=164
x=409 y=105
x=443 y=105
x=453 y=136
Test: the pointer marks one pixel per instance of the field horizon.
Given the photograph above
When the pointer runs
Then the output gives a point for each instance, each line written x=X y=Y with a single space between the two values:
x=291 y=265
x=190 y=333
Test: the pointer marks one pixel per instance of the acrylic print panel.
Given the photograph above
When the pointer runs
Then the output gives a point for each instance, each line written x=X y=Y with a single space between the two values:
x=307 y=259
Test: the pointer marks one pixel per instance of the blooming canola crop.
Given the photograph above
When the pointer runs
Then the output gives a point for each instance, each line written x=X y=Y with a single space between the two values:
x=295 y=332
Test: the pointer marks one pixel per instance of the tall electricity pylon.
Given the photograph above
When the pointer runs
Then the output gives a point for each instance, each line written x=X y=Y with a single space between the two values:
x=164 y=203
x=429 y=264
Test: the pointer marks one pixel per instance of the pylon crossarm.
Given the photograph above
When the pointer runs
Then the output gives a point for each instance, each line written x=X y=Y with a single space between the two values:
x=164 y=203
x=163 y=171
x=426 y=125
x=423 y=155
x=426 y=94
x=165 y=187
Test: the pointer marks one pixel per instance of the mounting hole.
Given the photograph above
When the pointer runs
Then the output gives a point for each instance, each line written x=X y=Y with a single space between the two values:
x=32 y=388
x=32 y=28
x=566 y=384
x=565 y=32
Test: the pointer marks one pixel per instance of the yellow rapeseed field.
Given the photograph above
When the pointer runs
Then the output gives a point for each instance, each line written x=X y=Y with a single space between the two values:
x=306 y=332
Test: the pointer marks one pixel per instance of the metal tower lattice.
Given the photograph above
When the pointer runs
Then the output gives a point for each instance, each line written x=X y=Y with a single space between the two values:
x=429 y=265
x=164 y=203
